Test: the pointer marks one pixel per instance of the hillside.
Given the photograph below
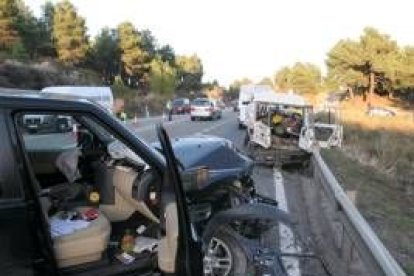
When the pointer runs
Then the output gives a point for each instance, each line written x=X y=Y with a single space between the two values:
x=36 y=75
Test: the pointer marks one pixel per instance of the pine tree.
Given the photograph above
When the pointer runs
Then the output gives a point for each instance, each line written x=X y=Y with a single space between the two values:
x=163 y=77
x=46 y=48
x=374 y=57
x=105 y=54
x=135 y=61
x=282 y=79
x=190 y=72
x=8 y=32
x=29 y=30
x=69 y=34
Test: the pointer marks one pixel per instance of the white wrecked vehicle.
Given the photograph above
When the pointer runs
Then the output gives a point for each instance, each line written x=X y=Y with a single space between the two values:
x=281 y=129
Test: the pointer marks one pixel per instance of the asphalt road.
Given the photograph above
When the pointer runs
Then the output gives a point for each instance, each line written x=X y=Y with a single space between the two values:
x=281 y=185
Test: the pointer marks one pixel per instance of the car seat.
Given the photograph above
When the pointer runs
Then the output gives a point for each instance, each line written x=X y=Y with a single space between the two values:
x=82 y=245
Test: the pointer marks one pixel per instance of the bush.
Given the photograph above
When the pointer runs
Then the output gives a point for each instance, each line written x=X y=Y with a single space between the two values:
x=36 y=76
x=18 y=51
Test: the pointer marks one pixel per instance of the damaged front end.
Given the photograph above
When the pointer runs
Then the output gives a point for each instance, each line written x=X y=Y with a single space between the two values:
x=244 y=228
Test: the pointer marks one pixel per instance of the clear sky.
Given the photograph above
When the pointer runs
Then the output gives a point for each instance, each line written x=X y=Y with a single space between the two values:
x=250 y=38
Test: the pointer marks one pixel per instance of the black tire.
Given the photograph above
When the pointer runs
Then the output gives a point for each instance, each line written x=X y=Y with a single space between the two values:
x=240 y=265
x=192 y=119
x=241 y=126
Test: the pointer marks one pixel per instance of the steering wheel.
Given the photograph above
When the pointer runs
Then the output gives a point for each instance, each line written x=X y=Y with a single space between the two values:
x=145 y=189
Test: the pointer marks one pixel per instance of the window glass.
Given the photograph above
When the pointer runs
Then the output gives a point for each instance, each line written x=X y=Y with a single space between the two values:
x=82 y=141
x=201 y=102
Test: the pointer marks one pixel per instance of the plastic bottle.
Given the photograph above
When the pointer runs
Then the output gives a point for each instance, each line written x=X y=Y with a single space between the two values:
x=127 y=241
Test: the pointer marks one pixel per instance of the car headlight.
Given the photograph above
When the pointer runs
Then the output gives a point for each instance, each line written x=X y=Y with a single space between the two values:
x=195 y=179
x=202 y=176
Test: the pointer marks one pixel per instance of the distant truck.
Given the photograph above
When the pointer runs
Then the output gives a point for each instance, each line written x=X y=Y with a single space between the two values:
x=246 y=96
x=281 y=129
x=101 y=95
x=40 y=123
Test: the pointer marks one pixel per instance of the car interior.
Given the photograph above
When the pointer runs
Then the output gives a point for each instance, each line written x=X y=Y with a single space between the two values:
x=100 y=199
x=284 y=122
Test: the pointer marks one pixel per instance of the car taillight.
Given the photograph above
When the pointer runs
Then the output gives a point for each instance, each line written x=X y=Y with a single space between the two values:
x=192 y=108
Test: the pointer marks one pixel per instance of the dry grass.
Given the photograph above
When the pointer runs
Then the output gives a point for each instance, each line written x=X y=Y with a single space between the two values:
x=383 y=143
x=383 y=175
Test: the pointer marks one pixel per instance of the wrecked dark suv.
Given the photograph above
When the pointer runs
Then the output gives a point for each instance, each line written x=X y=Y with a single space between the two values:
x=93 y=198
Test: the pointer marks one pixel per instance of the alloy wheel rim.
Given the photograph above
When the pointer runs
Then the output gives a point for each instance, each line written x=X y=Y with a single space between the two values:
x=217 y=259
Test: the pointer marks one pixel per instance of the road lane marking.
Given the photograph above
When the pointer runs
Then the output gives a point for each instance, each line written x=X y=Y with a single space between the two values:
x=287 y=238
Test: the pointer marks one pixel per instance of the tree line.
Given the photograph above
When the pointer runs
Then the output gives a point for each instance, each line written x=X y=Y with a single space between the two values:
x=124 y=54
x=372 y=64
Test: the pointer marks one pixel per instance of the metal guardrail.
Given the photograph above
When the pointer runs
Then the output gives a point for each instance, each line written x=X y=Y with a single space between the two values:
x=373 y=256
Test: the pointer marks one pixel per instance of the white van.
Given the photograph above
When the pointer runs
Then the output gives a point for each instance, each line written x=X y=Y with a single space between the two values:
x=281 y=130
x=99 y=94
x=246 y=96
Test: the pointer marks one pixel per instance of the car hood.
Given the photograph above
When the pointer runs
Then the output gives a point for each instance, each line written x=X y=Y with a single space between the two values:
x=221 y=157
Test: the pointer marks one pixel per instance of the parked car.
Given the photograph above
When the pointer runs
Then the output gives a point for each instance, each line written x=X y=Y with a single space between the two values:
x=377 y=111
x=95 y=199
x=181 y=106
x=203 y=108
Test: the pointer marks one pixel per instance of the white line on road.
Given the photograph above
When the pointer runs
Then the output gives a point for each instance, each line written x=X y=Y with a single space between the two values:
x=287 y=239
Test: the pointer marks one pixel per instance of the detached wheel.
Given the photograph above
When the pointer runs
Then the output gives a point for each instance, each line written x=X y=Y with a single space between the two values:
x=225 y=256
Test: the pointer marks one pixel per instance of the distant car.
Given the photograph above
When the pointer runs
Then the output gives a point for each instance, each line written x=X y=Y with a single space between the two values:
x=377 y=111
x=203 y=108
x=181 y=106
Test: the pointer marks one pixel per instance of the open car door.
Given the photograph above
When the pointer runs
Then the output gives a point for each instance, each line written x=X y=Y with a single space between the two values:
x=307 y=135
x=261 y=135
x=181 y=240
x=328 y=135
x=322 y=135
x=306 y=139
